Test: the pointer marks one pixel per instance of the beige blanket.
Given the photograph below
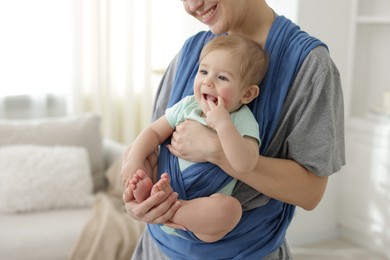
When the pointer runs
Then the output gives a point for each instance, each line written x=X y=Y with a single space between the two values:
x=109 y=234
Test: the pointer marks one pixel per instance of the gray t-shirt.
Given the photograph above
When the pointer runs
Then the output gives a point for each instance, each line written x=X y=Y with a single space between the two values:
x=311 y=130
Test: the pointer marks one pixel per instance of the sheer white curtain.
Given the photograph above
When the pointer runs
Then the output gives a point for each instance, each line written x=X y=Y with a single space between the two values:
x=112 y=65
x=35 y=57
x=121 y=49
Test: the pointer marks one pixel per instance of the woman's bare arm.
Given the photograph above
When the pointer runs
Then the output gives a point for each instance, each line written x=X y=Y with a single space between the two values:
x=282 y=179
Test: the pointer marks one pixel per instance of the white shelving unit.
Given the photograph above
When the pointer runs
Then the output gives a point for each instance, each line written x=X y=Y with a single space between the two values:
x=373 y=20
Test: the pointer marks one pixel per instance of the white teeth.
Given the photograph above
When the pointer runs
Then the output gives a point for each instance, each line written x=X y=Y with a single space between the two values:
x=208 y=14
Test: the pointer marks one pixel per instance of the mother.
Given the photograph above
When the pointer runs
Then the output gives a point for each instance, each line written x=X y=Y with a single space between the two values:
x=300 y=113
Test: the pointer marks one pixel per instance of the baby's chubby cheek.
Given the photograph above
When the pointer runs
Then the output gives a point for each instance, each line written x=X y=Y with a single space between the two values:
x=226 y=95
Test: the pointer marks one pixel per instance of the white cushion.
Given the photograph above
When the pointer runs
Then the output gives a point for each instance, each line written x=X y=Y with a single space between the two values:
x=35 y=178
x=81 y=130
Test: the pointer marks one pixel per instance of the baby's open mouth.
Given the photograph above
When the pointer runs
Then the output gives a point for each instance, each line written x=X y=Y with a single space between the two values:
x=210 y=98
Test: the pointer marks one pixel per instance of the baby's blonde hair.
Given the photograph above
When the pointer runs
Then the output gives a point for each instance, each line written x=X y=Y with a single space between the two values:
x=251 y=56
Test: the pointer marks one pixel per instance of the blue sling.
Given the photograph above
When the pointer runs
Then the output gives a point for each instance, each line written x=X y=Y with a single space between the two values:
x=261 y=230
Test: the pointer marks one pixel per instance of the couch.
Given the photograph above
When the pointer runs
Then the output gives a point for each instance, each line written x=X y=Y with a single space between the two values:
x=60 y=193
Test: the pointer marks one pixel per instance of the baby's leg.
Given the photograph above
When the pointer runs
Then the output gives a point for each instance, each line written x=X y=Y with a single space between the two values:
x=141 y=186
x=209 y=218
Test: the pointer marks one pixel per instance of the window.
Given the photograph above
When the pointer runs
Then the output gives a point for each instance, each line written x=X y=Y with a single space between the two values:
x=36 y=46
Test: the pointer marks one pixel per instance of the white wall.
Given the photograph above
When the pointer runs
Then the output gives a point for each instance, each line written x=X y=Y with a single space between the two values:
x=288 y=8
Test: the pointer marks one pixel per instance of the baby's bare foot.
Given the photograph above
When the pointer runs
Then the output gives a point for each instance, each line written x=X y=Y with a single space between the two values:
x=164 y=184
x=141 y=185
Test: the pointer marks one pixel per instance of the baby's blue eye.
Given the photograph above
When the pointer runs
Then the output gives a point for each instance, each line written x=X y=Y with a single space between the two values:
x=204 y=72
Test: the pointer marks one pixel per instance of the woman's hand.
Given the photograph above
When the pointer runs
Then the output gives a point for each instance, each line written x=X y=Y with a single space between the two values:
x=195 y=142
x=159 y=207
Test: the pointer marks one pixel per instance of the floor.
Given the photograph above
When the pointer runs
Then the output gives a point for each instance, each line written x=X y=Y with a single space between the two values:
x=335 y=250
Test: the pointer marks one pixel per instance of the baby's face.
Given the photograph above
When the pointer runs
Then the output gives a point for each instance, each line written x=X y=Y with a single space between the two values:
x=218 y=75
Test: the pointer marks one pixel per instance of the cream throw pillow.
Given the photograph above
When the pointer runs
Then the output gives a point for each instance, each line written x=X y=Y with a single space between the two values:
x=81 y=130
x=35 y=178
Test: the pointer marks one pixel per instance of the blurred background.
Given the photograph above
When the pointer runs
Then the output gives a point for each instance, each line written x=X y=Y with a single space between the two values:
x=64 y=57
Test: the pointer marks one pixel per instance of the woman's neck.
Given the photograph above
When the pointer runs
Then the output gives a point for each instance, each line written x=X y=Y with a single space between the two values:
x=257 y=22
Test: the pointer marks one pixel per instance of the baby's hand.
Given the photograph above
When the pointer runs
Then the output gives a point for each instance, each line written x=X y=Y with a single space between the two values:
x=217 y=115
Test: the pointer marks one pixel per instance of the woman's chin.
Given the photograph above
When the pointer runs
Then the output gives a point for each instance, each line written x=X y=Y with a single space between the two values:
x=216 y=30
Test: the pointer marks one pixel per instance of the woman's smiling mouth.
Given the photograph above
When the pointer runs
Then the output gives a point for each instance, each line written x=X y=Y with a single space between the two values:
x=206 y=17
